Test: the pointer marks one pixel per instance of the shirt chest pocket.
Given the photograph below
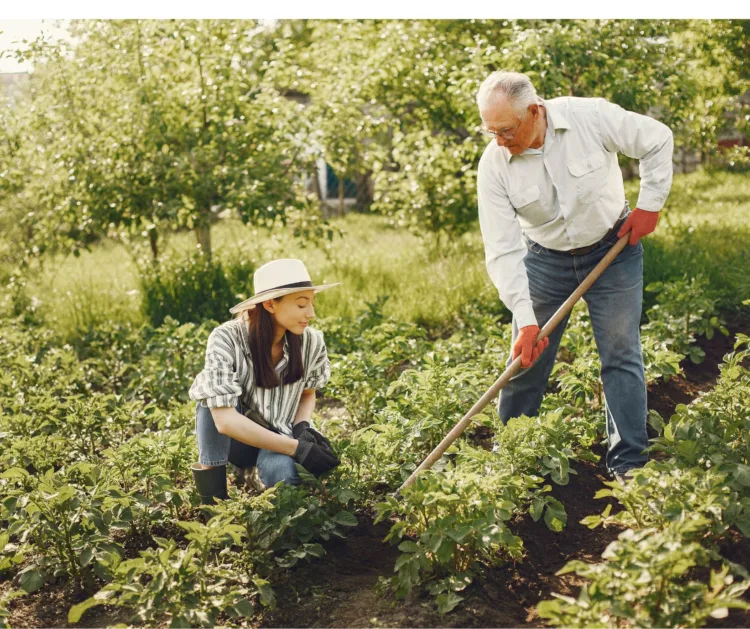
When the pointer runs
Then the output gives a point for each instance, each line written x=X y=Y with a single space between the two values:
x=530 y=209
x=589 y=177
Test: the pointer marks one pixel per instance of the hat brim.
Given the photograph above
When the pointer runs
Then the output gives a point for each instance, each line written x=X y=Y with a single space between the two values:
x=274 y=294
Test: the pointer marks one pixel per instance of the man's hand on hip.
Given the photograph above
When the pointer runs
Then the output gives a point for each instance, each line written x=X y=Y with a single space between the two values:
x=527 y=346
x=640 y=223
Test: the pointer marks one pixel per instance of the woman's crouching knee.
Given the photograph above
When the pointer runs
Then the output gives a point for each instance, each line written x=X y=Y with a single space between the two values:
x=274 y=467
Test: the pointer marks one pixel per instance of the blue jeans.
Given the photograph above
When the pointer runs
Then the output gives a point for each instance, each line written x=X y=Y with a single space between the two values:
x=216 y=449
x=615 y=303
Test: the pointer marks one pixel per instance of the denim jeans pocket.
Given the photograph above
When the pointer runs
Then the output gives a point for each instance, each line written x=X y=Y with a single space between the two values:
x=532 y=246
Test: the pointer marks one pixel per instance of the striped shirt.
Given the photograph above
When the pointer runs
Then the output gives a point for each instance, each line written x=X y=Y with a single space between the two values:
x=227 y=376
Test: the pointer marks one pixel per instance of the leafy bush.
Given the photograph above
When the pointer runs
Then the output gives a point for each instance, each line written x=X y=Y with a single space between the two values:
x=65 y=519
x=683 y=309
x=661 y=493
x=173 y=354
x=712 y=432
x=185 y=585
x=150 y=468
x=188 y=289
x=450 y=524
x=424 y=404
x=646 y=581
x=546 y=444
x=360 y=378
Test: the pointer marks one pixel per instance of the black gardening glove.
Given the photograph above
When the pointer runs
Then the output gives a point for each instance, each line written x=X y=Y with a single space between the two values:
x=315 y=458
x=303 y=430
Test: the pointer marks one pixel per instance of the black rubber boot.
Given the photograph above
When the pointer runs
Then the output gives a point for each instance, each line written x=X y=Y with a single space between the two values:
x=211 y=483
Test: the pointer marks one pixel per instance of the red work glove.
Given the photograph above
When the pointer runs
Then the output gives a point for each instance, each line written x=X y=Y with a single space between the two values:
x=640 y=223
x=527 y=345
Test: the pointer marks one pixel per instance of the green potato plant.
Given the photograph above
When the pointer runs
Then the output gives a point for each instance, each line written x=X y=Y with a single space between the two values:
x=360 y=379
x=648 y=579
x=190 y=587
x=712 y=431
x=449 y=524
x=66 y=519
x=661 y=493
x=683 y=310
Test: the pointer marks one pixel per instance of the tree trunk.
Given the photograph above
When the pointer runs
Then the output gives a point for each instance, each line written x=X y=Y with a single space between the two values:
x=364 y=191
x=203 y=237
x=341 y=196
x=316 y=185
x=153 y=237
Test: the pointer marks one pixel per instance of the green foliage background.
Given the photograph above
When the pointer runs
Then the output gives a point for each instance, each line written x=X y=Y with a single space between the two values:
x=144 y=127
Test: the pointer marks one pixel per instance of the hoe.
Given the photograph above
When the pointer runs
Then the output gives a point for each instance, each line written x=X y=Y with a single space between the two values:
x=515 y=366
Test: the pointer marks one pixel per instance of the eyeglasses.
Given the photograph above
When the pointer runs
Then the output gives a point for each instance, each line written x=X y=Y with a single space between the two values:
x=504 y=133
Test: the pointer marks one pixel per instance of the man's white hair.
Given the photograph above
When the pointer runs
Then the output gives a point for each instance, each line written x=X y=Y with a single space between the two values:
x=516 y=87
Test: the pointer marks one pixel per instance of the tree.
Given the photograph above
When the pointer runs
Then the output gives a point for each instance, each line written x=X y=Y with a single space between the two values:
x=397 y=98
x=148 y=123
x=717 y=51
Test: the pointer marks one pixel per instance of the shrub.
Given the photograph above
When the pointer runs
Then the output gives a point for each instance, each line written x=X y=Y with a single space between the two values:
x=189 y=289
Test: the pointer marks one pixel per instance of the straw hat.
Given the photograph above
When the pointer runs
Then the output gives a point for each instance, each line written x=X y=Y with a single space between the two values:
x=278 y=278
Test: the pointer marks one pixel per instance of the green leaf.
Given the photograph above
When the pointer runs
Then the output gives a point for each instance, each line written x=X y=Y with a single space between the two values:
x=743 y=524
x=549 y=609
x=592 y=521
x=243 y=607
x=15 y=472
x=537 y=508
x=31 y=581
x=267 y=596
x=460 y=533
x=447 y=602
x=75 y=612
x=345 y=518
x=85 y=557
x=687 y=449
x=344 y=495
x=402 y=561
x=555 y=516
x=445 y=551
x=742 y=474
x=408 y=547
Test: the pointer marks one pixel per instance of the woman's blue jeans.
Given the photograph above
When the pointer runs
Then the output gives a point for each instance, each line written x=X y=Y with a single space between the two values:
x=615 y=303
x=216 y=449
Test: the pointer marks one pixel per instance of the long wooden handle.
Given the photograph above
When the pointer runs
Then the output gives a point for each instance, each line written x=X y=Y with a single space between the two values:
x=515 y=366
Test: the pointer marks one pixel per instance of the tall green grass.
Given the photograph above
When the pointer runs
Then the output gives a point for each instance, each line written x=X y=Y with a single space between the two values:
x=704 y=230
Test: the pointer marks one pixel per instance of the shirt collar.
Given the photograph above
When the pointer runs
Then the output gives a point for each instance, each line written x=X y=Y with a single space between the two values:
x=244 y=334
x=555 y=116
x=555 y=122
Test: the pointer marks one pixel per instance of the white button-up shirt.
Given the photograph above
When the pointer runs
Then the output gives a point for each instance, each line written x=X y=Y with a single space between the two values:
x=568 y=193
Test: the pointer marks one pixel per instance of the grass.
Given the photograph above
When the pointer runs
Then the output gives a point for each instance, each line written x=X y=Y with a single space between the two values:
x=704 y=229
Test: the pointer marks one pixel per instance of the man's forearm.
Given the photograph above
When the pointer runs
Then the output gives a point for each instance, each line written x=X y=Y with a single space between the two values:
x=231 y=423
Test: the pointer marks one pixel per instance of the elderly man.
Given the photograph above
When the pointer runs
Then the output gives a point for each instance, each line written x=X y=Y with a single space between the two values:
x=551 y=204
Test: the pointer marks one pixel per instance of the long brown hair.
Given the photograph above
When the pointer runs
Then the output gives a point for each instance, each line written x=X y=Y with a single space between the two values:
x=261 y=329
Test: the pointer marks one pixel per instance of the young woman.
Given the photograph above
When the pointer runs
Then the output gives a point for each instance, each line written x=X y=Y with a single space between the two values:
x=256 y=393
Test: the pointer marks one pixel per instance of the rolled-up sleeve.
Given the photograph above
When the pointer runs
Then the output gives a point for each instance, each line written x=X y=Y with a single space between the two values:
x=218 y=384
x=504 y=249
x=645 y=139
x=317 y=365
